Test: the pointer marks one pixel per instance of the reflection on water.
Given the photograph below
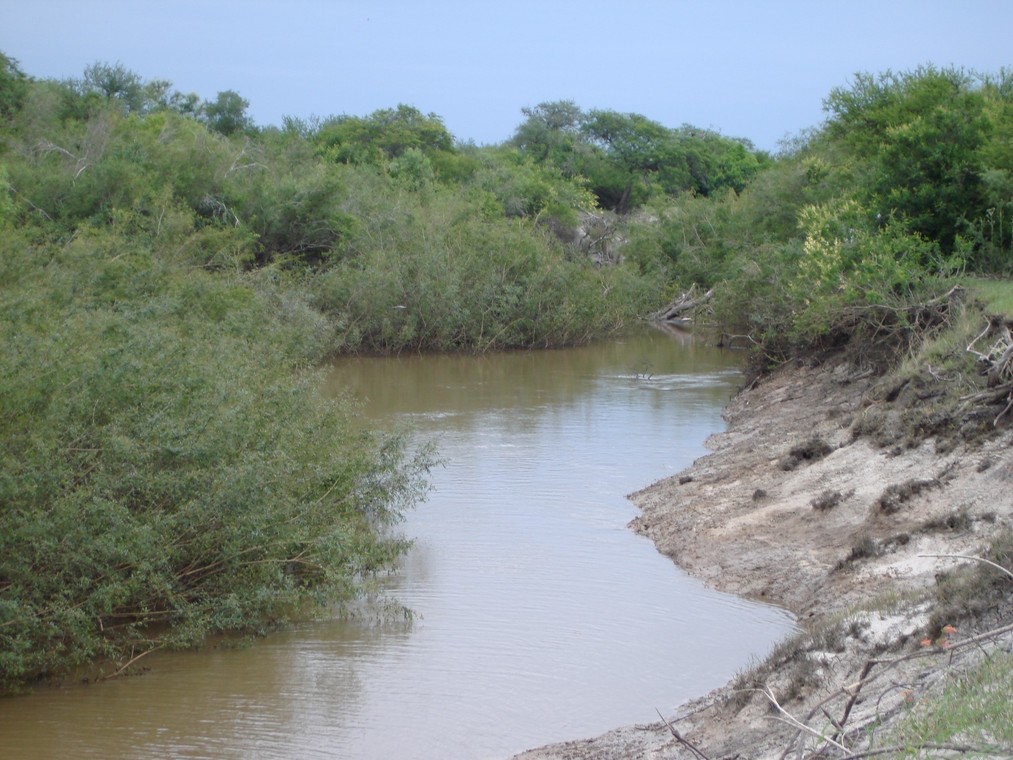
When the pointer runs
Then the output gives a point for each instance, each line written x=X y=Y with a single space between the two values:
x=540 y=616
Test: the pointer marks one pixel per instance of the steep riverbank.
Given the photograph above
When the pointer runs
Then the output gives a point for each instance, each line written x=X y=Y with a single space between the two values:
x=815 y=498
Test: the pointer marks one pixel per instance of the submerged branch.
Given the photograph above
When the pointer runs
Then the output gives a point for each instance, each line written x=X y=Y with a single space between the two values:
x=130 y=662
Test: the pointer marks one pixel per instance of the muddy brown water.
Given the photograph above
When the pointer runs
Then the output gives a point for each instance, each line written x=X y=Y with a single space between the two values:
x=539 y=616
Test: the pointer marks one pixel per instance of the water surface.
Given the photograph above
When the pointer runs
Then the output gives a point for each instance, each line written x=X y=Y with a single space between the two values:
x=539 y=616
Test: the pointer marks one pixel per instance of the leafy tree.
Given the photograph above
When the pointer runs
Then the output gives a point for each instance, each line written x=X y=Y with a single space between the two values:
x=448 y=271
x=557 y=116
x=930 y=175
x=716 y=163
x=104 y=83
x=626 y=157
x=551 y=133
x=227 y=113
x=383 y=135
x=158 y=95
x=187 y=104
x=114 y=82
x=638 y=146
x=413 y=169
x=161 y=468
x=997 y=90
x=524 y=188
x=921 y=133
x=293 y=210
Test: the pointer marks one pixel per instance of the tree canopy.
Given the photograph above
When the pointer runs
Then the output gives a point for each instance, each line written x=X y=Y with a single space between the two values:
x=383 y=135
x=627 y=157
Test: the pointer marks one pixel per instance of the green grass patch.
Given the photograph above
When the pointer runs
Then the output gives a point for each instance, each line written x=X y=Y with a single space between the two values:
x=995 y=294
x=974 y=709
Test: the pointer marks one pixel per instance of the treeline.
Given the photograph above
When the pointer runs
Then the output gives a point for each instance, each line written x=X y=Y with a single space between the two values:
x=172 y=274
x=402 y=238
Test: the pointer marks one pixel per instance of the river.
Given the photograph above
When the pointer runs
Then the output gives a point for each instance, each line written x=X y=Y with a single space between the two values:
x=538 y=615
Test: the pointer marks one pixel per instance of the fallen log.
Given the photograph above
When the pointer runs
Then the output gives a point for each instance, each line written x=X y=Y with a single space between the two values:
x=683 y=308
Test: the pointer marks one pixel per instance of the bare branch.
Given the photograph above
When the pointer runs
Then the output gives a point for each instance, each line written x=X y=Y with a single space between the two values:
x=681 y=739
x=793 y=721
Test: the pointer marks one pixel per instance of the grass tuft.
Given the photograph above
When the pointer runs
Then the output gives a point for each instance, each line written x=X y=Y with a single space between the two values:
x=995 y=294
x=973 y=709
x=830 y=499
x=810 y=451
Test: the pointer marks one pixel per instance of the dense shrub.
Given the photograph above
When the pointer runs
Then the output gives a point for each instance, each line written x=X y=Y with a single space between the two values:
x=168 y=468
x=436 y=270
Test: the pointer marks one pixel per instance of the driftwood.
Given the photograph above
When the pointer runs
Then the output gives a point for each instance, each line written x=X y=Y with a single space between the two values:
x=683 y=308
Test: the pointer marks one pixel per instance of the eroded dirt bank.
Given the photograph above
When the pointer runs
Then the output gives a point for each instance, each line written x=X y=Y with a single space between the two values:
x=800 y=506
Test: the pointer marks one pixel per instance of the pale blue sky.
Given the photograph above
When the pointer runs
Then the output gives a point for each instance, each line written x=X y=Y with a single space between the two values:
x=758 y=70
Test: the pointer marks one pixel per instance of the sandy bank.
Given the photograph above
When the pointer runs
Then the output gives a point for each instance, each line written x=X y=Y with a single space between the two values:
x=796 y=508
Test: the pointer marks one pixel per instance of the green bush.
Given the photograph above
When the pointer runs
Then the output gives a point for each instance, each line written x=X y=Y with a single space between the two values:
x=168 y=467
x=438 y=271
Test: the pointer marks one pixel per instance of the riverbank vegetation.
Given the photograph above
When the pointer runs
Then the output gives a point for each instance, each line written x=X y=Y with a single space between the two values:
x=906 y=185
x=172 y=274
